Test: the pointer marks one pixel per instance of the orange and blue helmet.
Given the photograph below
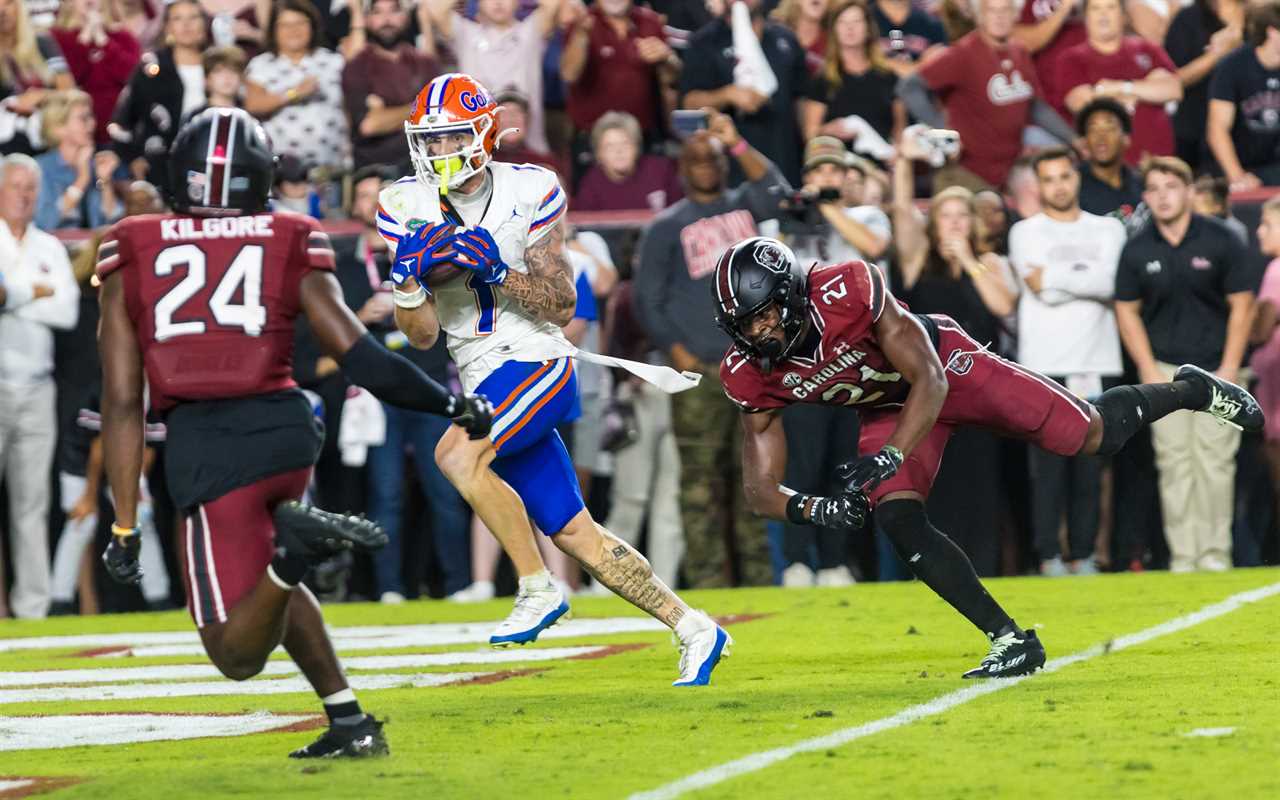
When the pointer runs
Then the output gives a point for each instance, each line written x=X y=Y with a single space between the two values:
x=452 y=105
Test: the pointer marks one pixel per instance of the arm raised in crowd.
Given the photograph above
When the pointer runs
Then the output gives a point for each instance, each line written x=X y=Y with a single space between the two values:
x=915 y=94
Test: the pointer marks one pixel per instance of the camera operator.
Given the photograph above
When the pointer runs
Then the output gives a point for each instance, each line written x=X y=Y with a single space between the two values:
x=817 y=223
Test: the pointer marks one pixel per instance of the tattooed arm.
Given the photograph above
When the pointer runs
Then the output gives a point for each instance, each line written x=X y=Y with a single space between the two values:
x=546 y=291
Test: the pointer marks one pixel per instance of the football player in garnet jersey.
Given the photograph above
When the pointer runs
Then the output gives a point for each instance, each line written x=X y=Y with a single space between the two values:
x=835 y=335
x=462 y=215
x=198 y=308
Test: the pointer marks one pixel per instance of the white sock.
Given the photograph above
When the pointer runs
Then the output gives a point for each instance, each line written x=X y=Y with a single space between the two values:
x=537 y=582
x=692 y=623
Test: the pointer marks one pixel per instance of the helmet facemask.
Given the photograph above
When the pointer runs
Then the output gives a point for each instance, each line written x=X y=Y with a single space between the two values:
x=791 y=319
x=445 y=171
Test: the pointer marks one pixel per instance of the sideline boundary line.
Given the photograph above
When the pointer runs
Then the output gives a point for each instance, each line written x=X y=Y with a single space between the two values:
x=757 y=761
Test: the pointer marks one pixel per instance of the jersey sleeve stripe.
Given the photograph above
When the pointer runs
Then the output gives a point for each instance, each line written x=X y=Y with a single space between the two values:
x=877 y=290
x=389 y=222
x=108 y=257
x=549 y=218
x=551 y=195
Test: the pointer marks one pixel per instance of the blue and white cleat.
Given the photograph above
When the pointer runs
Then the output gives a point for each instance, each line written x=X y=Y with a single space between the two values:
x=701 y=649
x=540 y=603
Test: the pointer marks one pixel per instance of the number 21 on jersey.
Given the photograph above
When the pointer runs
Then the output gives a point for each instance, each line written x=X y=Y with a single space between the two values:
x=244 y=272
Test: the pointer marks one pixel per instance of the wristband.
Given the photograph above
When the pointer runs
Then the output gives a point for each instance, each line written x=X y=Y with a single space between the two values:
x=76 y=193
x=739 y=148
x=795 y=509
x=1128 y=87
x=122 y=532
x=409 y=299
x=894 y=452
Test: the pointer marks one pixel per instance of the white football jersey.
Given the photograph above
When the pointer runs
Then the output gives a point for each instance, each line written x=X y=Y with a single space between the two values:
x=485 y=327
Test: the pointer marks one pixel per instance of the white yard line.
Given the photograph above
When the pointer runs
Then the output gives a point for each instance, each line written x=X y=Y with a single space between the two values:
x=177 y=672
x=758 y=761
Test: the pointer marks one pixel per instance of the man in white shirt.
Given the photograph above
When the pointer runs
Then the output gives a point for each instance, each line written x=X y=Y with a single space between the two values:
x=1066 y=260
x=38 y=293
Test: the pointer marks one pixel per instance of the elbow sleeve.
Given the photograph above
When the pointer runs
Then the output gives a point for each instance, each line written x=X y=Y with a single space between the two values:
x=394 y=379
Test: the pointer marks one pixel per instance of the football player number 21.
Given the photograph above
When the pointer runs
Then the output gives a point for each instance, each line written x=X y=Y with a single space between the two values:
x=244 y=272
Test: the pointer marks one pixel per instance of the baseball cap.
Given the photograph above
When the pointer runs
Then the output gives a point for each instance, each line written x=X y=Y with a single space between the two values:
x=825 y=150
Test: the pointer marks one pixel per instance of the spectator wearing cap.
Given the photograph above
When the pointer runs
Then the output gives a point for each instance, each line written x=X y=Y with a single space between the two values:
x=842 y=233
x=622 y=177
x=1108 y=186
x=295 y=88
x=167 y=84
x=514 y=146
x=1184 y=295
x=908 y=34
x=990 y=91
x=1244 y=127
x=1129 y=69
x=294 y=190
x=1200 y=36
x=615 y=59
x=502 y=52
x=380 y=83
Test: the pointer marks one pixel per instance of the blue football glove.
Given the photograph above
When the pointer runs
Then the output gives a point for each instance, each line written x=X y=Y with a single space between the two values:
x=480 y=254
x=423 y=250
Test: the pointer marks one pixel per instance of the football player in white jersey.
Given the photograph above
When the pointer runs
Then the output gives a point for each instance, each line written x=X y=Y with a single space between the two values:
x=480 y=254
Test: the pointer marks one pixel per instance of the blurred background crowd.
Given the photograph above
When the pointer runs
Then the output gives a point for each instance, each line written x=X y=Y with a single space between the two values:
x=1081 y=183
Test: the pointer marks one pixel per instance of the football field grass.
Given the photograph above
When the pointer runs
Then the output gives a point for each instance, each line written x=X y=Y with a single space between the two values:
x=1189 y=710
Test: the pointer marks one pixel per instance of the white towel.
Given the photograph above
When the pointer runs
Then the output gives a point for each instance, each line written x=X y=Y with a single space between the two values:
x=363 y=425
x=752 y=70
x=665 y=378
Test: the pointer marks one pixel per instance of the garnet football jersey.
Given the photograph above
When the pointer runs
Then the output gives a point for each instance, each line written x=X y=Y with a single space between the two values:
x=213 y=299
x=846 y=369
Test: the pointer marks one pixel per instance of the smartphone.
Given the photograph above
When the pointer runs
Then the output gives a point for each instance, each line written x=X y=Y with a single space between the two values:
x=686 y=122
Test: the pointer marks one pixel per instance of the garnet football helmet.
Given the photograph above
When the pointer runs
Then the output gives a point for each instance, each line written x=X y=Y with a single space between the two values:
x=220 y=164
x=451 y=104
x=750 y=276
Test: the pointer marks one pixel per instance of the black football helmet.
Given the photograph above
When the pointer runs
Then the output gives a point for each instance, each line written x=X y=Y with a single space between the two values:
x=751 y=275
x=220 y=165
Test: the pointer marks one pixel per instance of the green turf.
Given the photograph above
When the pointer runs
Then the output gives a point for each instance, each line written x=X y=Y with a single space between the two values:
x=821 y=660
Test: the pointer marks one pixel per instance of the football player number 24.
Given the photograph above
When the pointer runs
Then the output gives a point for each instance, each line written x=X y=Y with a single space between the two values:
x=245 y=272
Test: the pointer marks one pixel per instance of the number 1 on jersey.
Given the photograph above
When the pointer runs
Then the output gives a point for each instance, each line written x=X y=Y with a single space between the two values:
x=486 y=304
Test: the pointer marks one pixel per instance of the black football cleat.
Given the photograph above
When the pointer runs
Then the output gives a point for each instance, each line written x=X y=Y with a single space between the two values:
x=315 y=535
x=1228 y=402
x=361 y=740
x=1011 y=654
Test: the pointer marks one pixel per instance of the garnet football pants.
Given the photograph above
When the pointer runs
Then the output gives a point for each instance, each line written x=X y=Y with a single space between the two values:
x=985 y=391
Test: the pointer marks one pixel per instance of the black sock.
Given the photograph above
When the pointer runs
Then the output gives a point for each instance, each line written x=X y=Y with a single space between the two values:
x=1125 y=410
x=347 y=713
x=941 y=565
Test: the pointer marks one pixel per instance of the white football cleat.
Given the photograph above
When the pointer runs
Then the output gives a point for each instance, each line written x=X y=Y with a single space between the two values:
x=540 y=603
x=700 y=649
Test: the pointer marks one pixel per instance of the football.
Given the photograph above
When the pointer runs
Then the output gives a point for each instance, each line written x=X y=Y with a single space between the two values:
x=444 y=274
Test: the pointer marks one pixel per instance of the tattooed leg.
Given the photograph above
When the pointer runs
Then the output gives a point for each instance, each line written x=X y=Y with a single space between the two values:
x=619 y=566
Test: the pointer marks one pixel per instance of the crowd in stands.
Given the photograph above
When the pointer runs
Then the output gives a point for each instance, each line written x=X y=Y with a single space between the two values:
x=1056 y=175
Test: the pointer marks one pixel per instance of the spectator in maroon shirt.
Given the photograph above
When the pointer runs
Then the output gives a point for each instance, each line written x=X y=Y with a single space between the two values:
x=1048 y=28
x=623 y=179
x=989 y=88
x=807 y=20
x=1137 y=73
x=614 y=60
x=100 y=53
x=380 y=83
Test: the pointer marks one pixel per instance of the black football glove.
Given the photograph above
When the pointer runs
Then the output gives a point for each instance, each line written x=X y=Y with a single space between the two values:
x=867 y=472
x=471 y=412
x=846 y=511
x=121 y=558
